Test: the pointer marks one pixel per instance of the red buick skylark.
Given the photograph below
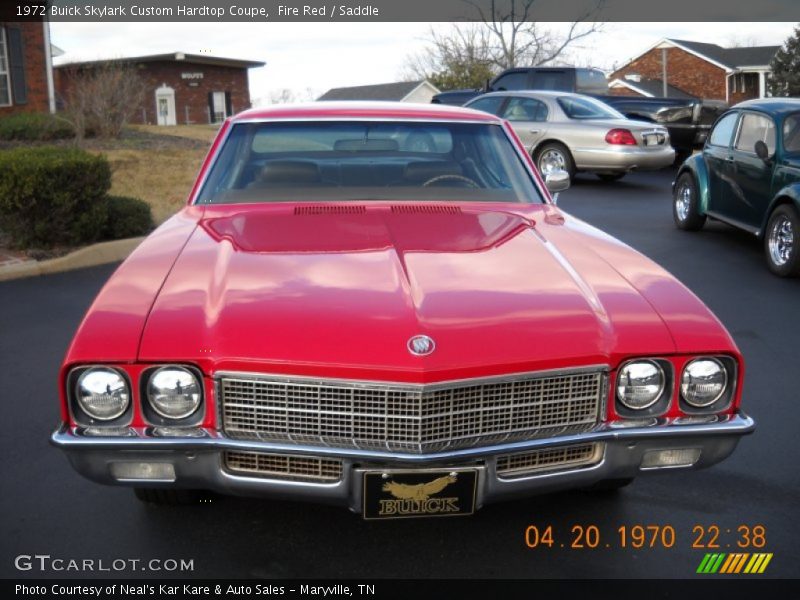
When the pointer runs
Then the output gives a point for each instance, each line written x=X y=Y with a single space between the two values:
x=380 y=306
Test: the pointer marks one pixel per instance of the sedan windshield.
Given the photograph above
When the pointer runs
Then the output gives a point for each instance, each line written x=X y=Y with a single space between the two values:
x=365 y=160
x=576 y=107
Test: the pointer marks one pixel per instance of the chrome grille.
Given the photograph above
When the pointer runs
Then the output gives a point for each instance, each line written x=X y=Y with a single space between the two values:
x=511 y=466
x=410 y=418
x=281 y=466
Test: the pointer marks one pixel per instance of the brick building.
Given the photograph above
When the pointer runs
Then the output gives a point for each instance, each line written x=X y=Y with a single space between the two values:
x=26 y=68
x=179 y=88
x=696 y=69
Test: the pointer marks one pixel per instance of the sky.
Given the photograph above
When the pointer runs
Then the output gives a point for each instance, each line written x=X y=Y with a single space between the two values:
x=310 y=58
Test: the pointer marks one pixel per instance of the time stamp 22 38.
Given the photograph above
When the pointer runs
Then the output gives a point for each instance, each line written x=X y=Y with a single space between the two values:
x=709 y=537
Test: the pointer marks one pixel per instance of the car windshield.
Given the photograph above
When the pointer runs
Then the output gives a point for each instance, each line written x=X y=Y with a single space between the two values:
x=576 y=107
x=308 y=161
x=791 y=134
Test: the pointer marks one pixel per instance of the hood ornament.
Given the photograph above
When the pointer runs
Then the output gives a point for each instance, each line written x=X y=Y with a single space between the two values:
x=421 y=345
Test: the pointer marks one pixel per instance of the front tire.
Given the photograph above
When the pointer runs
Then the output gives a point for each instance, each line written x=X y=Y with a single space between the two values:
x=782 y=242
x=686 y=204
x=554 y=156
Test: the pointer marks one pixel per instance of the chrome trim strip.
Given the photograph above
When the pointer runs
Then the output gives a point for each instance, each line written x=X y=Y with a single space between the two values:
x=212 y=159
x=68 y=439
x=466 y=382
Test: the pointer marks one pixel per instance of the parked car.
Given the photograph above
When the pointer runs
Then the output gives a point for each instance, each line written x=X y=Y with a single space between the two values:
x=748 y=176
x=379 y=306
x=687 y=119
x=573 y=132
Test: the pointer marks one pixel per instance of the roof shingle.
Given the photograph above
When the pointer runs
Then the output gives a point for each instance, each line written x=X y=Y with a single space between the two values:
x=382 y=91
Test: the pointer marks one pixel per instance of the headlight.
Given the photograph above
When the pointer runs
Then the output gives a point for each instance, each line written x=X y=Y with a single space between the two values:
x=640 y=384
x=703 y=382
x=103 y=393
x=174 y=392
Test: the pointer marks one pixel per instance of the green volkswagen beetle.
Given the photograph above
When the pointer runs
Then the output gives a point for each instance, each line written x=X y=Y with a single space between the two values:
x=748 y=176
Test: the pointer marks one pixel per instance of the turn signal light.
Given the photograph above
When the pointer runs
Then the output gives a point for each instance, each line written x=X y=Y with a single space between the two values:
x=620 y=137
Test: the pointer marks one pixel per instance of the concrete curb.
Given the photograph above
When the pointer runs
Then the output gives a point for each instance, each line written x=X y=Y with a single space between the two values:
x=90 y=256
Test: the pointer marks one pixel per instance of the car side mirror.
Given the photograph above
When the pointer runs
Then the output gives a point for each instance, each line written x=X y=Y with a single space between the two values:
x=762 y=151
x=557 y=181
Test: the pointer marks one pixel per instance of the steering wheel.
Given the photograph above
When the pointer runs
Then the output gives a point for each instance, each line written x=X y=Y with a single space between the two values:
x=452 y=176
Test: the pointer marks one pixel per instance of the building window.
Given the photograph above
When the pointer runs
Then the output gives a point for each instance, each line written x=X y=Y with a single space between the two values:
x=219 y=106
x=5 y=80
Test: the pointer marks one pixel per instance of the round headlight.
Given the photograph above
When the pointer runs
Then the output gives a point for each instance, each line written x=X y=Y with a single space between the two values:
x=103 y=393
x=703 y=382
x=174 y=392
x=640 y=384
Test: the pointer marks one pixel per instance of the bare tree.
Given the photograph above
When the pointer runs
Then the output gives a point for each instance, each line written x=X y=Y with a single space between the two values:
x=520 y=41
x=282 y=96
x=457 y=58
x=103 y=98
x=505 y=37
x=737 y=41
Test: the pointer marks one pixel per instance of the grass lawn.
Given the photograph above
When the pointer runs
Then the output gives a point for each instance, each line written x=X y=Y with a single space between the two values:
x=156 y=164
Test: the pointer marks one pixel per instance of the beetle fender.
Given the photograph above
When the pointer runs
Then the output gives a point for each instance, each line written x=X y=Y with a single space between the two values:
x=697 y=167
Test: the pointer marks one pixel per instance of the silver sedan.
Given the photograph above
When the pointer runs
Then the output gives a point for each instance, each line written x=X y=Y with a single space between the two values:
x=573 y=132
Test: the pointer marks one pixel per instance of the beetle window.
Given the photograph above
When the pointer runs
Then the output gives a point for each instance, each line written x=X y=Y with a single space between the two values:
x=313 y=161
x=756 y=128
x=723 y=131
x=791 y=134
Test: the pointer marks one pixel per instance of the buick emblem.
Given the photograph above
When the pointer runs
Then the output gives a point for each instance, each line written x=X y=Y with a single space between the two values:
x=421 y=345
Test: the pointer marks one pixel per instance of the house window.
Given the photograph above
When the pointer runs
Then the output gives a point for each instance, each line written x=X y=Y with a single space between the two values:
x=5 y=80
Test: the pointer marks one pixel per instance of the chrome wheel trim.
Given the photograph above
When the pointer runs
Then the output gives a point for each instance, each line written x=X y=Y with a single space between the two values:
x=781 y=241
x=552 y=160
x=683 y=201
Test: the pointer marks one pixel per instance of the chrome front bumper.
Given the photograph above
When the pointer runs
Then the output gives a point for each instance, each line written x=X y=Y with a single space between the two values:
x=198 y=462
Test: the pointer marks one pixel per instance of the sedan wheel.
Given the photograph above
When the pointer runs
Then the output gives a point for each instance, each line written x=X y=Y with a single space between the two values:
x=554 y=157
x=781 y=242
x=685 y=210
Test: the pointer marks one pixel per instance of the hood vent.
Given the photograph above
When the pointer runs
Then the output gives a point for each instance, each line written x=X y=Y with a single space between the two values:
x=425 y=209
x=333 y=209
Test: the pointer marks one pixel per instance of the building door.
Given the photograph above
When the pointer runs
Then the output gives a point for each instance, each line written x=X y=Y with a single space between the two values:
x=165 y=106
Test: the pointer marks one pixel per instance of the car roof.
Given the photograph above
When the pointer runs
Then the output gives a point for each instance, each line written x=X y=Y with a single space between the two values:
x=533 y=94
x=366 y=110
x=773 y=106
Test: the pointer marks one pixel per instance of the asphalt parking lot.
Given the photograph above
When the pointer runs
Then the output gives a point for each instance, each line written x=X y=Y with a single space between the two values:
x=48 y=509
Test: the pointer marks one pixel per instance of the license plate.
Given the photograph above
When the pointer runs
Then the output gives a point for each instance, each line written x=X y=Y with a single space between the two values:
x=653 y=139
x=392 y=494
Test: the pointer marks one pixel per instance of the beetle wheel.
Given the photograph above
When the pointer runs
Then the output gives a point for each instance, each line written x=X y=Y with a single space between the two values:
x=782 y=242
x=685 y=204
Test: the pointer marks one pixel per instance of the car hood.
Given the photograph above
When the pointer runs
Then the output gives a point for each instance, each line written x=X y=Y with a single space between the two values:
x=338 y=291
